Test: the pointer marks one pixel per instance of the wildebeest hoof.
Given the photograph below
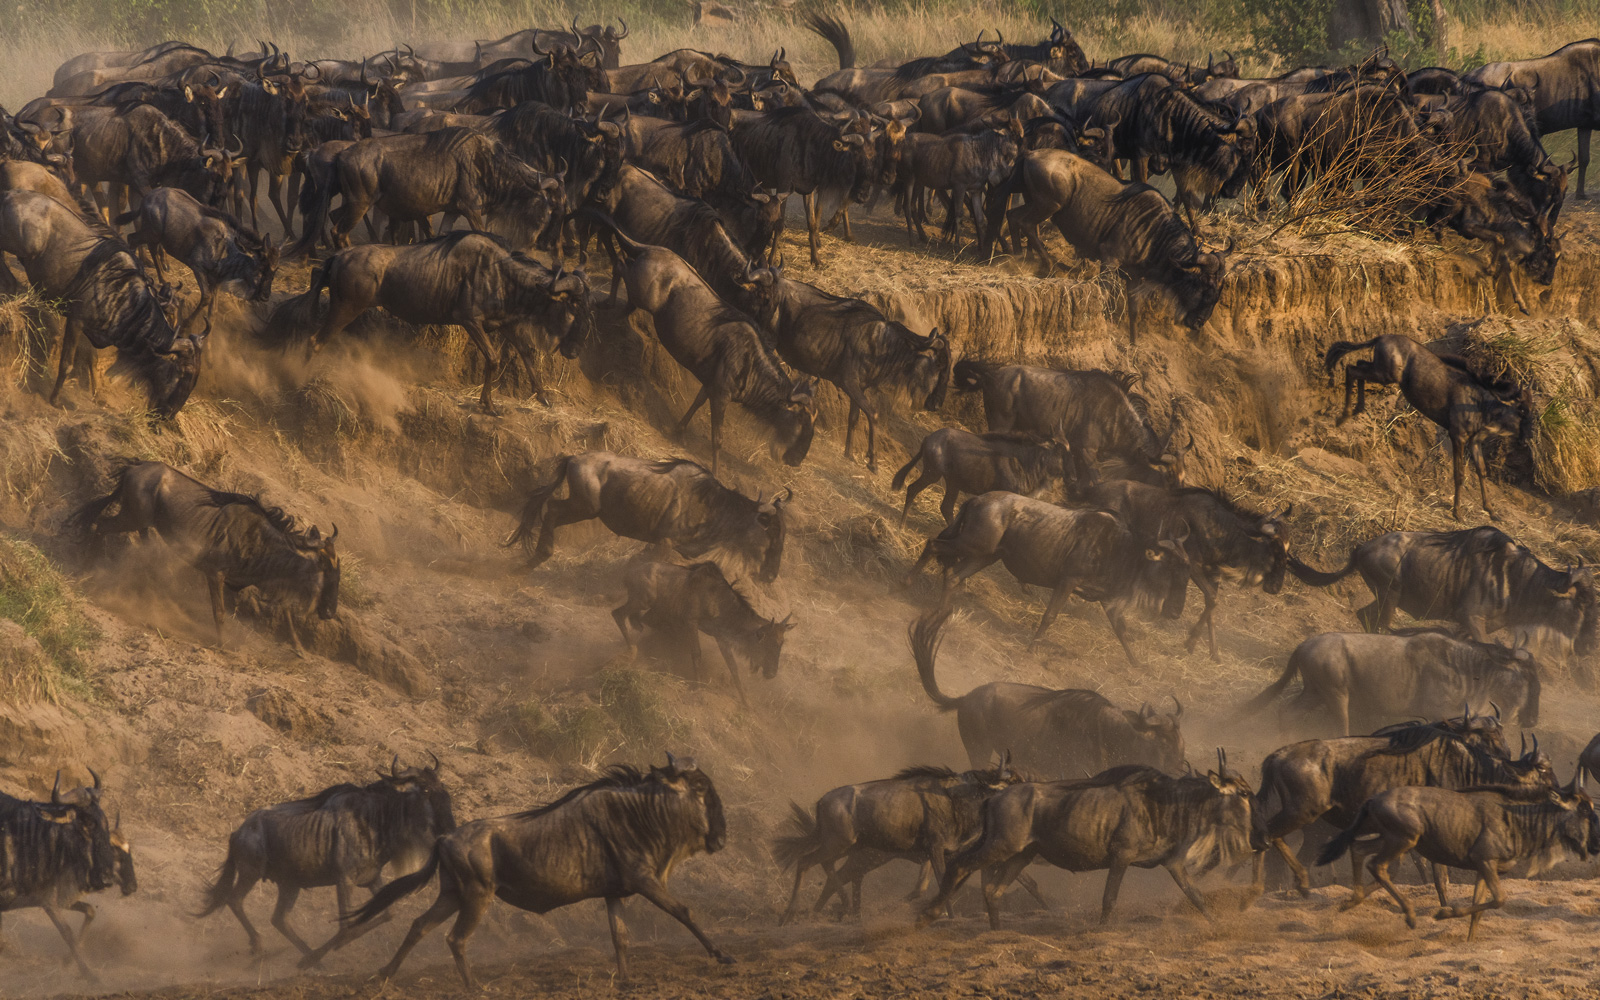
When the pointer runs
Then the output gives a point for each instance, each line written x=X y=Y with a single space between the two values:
x=1411 y=922
x=726 y=959
x=1348 y=904
x=1443 y=913
x=310 y=961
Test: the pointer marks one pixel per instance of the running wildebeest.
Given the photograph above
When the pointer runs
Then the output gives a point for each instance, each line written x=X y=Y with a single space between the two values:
x=1012 y=461
x=677 y=503
x=105 y=296
x=1467 y=406
x=1051 y=732
x=1565 y=86
x=53 y=853
x=1477 y=578
x=1329 y=779
x=1379 y=678
x=1088 y=553
x=1486 y=829
x=922 y=814
x=683 y=601
x=615 y=837
x=1128 y=816
x=215 y=246
x=468 y=279
x=233 y=540
x=344 y=836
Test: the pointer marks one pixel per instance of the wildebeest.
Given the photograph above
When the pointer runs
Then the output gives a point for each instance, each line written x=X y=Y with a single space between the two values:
x=1589 y=759
x=468 y=279
x=1129 y=225
x=215 y=246
x=1330 y=779
x=1208 y=154
x=1442 y=387
x=105 y=296
x=1501 y=136
x=143 y=149
x=978 y=463
x=1128 y=816
x=1477 y=578
x=1376 y=679
x=1089 y=553
x=722 y=347
x=964 y=165
x=922 y=814
x=615 y=837
x=234 y=541
x=53 y=853
x=344 y=836
x=683 y=601
x=1095 y=412
x=1050 y=732
x=794 y=150
x=1485 y=829
x=1566 y=91
x=675 y=502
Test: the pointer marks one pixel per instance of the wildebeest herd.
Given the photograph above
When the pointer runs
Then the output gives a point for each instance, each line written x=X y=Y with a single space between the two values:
x=680 y=169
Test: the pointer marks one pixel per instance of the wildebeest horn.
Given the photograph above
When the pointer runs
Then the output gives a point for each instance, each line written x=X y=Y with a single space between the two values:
x=334 y=535
x=1177 y=707
x=576 y=31
x=433 y=755
x=1222 y=762
x=672 y=762
x=533 y=40
x=55 y=793
x=1535 y=751
x=999 y=39
x=233 y=152
x=1496 y=711
x=1466 y=713
x=394 y=765
x=1146 y=710
x=306 y=70
x=96 y=778
x=624 y=29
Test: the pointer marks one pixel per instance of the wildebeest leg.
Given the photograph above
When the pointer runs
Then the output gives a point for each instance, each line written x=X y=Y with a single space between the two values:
x=69 y=342
x=719 y=407
x=346 y=935
x=214 y=586
x=859 y=404
x=241 y=889
x=619 y=934
x=700 y=399
x=1108 y=898
x=1476 y=444
x=492 y=363
x=275 y=195
x=1031 y=884
x=474 y=905
x=947 y=506
x=995 y=882
x=726 y=649
x=71 y=940
x=255 y=187
x=1058 y=599
x=1119 y=628
x=1208 y=585
x=1354 y=384
x=813 y=221
x=280 y=917
x=84 y=907
x=1180 y=875
x=650 y=887
x=1583 y=162
x=448 y=902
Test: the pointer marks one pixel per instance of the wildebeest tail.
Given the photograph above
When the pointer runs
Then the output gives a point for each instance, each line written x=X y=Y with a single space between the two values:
x=85 y=516
x=969 y=374
x=1341 y=843
x=924 y=636
x=1317 y=578
x=533 y=510
x=220 y=889
x=1339 y=348
x=802 y=838
x=1273 y=690
x=899 y=480
x=837 y=35
x=395 y=891
x=125 y=218
x=629 y=247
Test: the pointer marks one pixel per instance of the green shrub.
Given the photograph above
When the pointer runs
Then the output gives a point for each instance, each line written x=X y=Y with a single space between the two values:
x=35 y=596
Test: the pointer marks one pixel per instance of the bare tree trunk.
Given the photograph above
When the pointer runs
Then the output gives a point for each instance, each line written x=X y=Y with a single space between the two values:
x=1368 y=21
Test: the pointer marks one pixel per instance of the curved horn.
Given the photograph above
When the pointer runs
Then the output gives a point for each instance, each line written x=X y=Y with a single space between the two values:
x=96 y=778
x=534 y=41
x=1177 y=707
x=231 y=151
x=394 y=765
x=332 y=536
x=307 y=68
x=624 y=29
x=1222 y=762
x=435 y=759
x=55 y=792
x=577 y=33
x=1496 y=711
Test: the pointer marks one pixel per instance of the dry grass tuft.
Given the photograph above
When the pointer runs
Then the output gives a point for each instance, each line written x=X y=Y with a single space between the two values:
x=37 y=598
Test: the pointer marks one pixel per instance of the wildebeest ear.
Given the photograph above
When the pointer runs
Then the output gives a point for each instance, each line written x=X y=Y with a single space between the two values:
x=188 y=94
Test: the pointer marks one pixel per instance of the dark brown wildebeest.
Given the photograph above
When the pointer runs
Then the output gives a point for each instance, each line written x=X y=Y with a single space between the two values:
x=1096 y=412
x=1051 y=732
x=344 y=836
x=1131 y=226
x=1126 y=817
x=468 y=279
x=216 y=247
x=922 y=814
x=233 y=540
x=1378 y=678
x=142 y=149
x=965 y=166
x=1088 y=553
x=613 y=838
x=1012 y=461
x=1589 y=759
x=104 y=294
x=1477 y=578
x=1492 y=123
x=675 y=503
x=160 y=58
x=53 y=853
x=561 y=78
x=683 y=601
x=853 y=345
x=1566 y=91
x=1329 y=779
x=1483 y=829
x=1060 y=52
x=1442 y=387
x=722 y=347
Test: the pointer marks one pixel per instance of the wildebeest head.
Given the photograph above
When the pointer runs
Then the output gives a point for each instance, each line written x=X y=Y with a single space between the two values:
x=80 y=810
x=423 y=782
x=1162 y=734
x=1234 y=792
x=169 y=375
x=855 y=140
x=765 y=647
x=569 y=292
x=1065 y=55
x=711 y=100
x=1227 y=66
x=769 y=515
x=930 y=372
x=794 y=423
x=323 y=551
x=684 y=777
x=1577 y=825
x=1272 y=530
x=266 y=271
x=1574 y=611
x=1199 y=289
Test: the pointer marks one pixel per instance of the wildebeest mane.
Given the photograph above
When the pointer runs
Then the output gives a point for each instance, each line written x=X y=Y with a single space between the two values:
x=614 y=776
x=274 y=516
x=1169 y=238
x=322 y=798
x=1077 y=698
x=1413 y=737
x=728 y=509
x=109 y=270
x=934 y=771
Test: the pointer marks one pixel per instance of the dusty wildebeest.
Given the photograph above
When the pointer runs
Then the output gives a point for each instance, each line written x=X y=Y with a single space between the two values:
x=1565 y=86
x=683 y=601
x=141 y=148
x=1219 y=539
x=1051 y=732
x=1059 y=53
x=105 y=296
x=1494 y=126
x=722 y=347
x=1329 y=779
x=344 y=836
x=1484 y=829
x=1096 y=412
x=1477 y=578
x=219 y=250
x=613 y=838
x=1131 y=226
x=233 y=540
x=795 y=150
x=922 y=814
x=676 y=503
x=966 y=166
x=1589 y=759
x=1493 y=212
x=561 y=78
x=1013 y=461
x=53 y=853
x=1378 y=678
x=1128 y=816
x=1089 y=553
x=468 y=279
x=853 y=345
x=1469 y=407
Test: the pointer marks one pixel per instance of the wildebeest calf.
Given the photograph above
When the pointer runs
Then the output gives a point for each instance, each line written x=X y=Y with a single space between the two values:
x=978 y=463
x=215 y=246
